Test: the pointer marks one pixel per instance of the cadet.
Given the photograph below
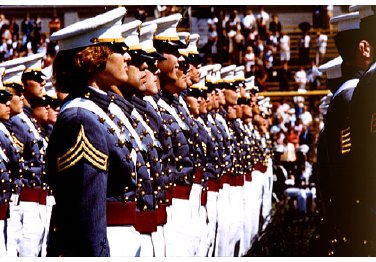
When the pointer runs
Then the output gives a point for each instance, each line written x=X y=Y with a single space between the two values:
x=104 y=167
x=9 y=163
x=30 y=191
x=362 y=128
x=166 y=41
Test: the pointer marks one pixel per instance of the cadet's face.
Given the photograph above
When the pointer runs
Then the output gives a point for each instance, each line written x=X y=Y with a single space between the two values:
x=116 y=71
x=52 y=115
x=151 y=83
x=137 y=77
x=215 y=100
x=209 y=105
x=239 y=111
x=231 y=112
x=247 y=111
x=5 y=111
x=41 y=113
x=202 y=105
x=34 y=89
x=194 y=74
x=193 y=105
x=181 y=82
x=221 y=97
x=169 y=68
x=231 y=97
x=16 y=104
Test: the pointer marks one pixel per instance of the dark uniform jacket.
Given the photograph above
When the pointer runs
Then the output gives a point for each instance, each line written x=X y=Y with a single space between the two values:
x=89 y=162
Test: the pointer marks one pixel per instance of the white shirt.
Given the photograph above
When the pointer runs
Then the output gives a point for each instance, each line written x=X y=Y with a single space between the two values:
x=285 y=43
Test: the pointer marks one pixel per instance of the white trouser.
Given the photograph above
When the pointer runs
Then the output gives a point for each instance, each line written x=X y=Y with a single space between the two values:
x=195 y=203
x=248 y=207
x=159 y=242
x=256 y=196
x=268 y=193
x=203 y=246
x=223 y=221
x=33 y=227
x=14 y=230
x=50 y=202
x=3 y=250
x=236 y=219
x=212 y=211
x=147 y=249
x=124 y=241
x=178 y=229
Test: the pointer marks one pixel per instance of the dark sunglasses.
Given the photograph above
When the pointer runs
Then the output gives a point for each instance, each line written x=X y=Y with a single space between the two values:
x=183 y=66
x=152 y=66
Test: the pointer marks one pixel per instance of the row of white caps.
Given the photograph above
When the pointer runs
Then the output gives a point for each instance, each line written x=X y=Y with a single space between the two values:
x=12 y=70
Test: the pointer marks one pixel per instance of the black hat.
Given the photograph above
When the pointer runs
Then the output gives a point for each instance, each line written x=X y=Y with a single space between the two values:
x=5 y=96
x=40 y=101
x=33 y=74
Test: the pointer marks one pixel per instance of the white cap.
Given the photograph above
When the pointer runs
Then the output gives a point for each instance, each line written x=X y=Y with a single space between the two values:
x=192 y=44
x=146 y=37
x=250 y=84
x=130 y=31
x=101 y=28
x=208 y=69
x=364 y=10
x=13 y=75
x=228 y=73
x=184 y=37
x=216 y=73
x=347 y=21
x=332 y=68
x=166 y=27
x=239 y=73
x=33 y=61
x=2 y=73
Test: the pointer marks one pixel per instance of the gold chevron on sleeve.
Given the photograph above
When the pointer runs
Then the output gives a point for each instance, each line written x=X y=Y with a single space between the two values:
x=345 y=141
x=82 y=149
x=18 y=143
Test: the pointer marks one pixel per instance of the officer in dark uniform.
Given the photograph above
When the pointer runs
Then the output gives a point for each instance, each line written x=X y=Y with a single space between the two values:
x=105 y=166
x=338 y=134
x=362 y=128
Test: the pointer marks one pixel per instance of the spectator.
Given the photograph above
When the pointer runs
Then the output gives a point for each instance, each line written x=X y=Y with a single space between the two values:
x=14 y=28
x=284 y=76
x=3 y=21
x=262 y=22
x=238 y=43
x=141 y=14
x=37 y=30
x=248 y=22
x=314 y=76
x=275 y=26
x=284 y=44
x=249 y=61
x=54 y=24
x=306 y=116
x=321 y=43
x=304 y=46
x=260 y=77
x=26 y=29
x=301 y=78
x=211 y=46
